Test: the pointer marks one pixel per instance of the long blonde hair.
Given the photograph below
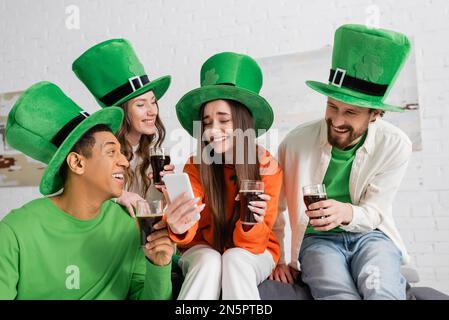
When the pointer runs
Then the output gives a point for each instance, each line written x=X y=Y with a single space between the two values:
x=146 y=141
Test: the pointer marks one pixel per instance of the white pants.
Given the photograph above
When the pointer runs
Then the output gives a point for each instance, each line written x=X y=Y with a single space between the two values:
x=236 y=273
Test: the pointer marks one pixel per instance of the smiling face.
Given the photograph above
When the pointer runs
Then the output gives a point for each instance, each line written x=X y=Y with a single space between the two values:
x=142 y=112
x=346 y=123
x=218 y=125
x=104 y=169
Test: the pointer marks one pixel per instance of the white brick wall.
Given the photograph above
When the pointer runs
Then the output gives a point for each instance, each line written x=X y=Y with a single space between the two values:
x=175 y=37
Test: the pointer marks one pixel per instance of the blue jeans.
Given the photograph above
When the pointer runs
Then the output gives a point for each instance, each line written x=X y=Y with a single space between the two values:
x=352 y=266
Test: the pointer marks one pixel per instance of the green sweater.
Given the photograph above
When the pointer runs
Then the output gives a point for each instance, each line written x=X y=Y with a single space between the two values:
x=48 y=254
x=337 y=177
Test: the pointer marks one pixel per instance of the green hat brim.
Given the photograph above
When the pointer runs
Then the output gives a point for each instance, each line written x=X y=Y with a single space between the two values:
x=343 y=95
x=188 y=108
x=159 y=86
x=51 y=181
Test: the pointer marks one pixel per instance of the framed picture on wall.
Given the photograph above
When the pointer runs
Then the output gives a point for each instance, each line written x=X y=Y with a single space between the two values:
x=16 y=169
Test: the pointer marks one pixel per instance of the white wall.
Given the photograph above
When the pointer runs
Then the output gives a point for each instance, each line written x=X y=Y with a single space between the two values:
x=175 y=37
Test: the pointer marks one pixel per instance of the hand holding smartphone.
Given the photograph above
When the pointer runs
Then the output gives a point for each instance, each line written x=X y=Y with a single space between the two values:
x=182 y=212
x=177 y=184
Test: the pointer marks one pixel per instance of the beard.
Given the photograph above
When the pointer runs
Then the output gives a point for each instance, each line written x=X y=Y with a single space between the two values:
x=342 y=141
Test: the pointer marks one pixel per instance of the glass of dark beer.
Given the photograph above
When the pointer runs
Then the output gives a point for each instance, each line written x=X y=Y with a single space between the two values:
x=148 y=213
x=314 y=193
x=158 y=159
x=249 y=191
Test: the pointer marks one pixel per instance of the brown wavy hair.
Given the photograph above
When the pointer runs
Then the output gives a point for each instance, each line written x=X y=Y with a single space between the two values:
x=146 y=141
x=212 y=177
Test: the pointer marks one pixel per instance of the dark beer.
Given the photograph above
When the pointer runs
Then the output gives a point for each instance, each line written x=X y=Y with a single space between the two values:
x=312 y=198
x=314 y=193
x=146 y=224
x=157 y=164
x=246 y=196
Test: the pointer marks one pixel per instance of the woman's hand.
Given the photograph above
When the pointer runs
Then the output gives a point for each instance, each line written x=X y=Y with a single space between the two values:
x=129 y=200
x=259 y=208
x=168 y=169
x=183 y=213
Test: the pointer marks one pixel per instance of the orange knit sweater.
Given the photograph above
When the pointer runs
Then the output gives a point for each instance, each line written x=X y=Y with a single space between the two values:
x=261 y=236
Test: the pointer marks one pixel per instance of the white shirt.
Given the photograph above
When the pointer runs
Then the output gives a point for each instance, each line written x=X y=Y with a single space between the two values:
x=377 y=170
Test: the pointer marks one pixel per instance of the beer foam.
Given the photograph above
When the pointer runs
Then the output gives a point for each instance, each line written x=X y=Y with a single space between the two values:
x=154 y=215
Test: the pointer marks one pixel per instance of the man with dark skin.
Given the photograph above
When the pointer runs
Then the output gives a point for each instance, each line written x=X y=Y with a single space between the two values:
x=78 y=244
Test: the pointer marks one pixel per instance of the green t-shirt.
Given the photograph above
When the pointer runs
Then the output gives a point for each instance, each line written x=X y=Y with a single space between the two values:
x=47 y=254
x=337 y=176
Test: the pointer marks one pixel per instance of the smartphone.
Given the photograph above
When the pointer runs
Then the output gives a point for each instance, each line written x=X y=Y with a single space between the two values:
x=176 y=184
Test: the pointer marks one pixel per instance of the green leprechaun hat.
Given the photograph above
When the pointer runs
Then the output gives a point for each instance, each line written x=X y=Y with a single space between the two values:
x=365 y=65
x=231 y=76
x=113 y=73
x=45 y=124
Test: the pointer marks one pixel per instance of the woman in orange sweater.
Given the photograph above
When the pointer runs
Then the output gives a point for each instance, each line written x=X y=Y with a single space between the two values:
x=220 y=254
